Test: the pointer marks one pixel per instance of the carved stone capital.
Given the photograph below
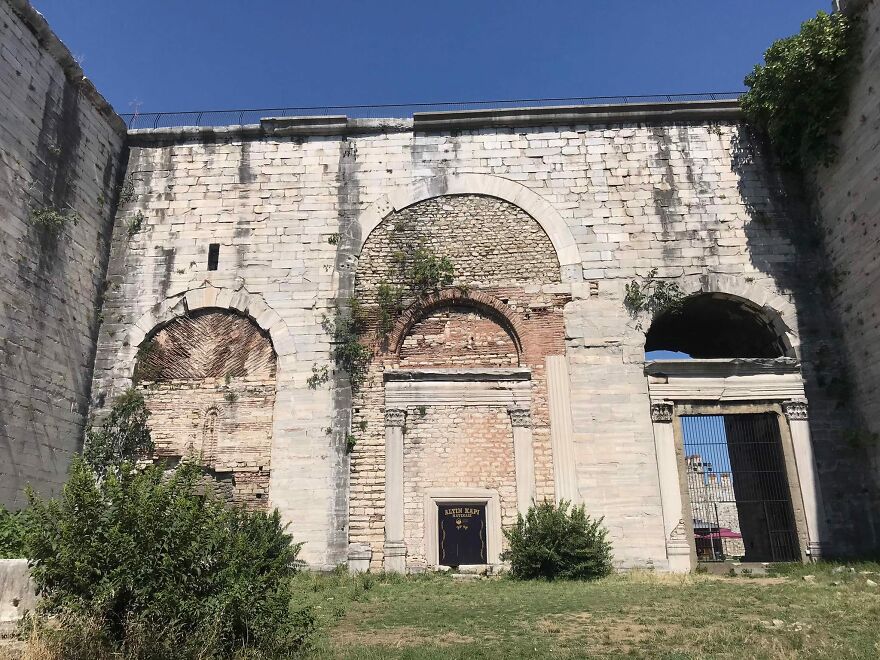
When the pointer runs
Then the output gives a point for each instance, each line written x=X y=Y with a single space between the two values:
x=796 y=409
x=661 y=412
x=395 y=417
x=520 y=417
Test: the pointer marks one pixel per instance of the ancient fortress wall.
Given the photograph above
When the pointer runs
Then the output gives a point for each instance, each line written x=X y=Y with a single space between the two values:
x=618 y=192
x=849 y=203
x=60 y=148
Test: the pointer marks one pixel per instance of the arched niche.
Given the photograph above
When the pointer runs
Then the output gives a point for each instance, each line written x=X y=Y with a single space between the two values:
x=471 y=322
x=209 y=381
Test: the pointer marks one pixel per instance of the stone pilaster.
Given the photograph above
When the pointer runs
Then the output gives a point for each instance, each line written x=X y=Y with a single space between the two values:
x=678 y=550
x=524 y=457
x=797 y=411
x=561 y=430
x=395 y=548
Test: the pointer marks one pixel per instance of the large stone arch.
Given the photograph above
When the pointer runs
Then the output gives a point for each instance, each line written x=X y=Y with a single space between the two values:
x=479 y=184
x=776 y=308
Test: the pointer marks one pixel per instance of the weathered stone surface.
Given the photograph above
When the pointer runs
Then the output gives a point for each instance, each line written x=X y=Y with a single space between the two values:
x=849 y=204
x=60 y=148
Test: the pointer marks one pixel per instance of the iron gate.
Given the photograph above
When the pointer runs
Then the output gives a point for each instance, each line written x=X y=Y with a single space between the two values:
x=739 y=492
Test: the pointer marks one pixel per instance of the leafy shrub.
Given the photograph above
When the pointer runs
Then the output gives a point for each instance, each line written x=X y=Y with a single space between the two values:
x=52 y=220
x=652 y=296
x=553 y=542
x=124 y=436
x=799 y=95
x=150 y=564
x=11 y=534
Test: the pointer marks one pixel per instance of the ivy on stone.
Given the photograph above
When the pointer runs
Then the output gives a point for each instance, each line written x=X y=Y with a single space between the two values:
x=799 y=95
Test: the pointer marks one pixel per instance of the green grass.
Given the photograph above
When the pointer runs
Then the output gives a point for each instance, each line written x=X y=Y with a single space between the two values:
x=636 y=615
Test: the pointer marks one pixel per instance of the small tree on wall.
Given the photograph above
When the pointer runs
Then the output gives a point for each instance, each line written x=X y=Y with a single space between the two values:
x=652 y=296
x=799 y=95
x=124 y=435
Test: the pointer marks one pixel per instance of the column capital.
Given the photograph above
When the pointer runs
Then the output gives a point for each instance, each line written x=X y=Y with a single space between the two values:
x=661 y=411
x=521 y=417
x=395 y=417
x=796 y=409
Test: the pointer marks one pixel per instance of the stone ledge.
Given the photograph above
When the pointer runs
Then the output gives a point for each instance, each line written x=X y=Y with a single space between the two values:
x=722 y=367
x=579 y=114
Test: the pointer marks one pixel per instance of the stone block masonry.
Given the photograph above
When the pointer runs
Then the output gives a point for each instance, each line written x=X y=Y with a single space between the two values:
x=60 y=152
x=848 y=195
x=546 y=213
x=692 y=196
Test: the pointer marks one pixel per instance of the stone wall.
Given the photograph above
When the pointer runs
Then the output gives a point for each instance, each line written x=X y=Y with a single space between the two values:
x=848 y=195
x=685 y=190
x=60 y=152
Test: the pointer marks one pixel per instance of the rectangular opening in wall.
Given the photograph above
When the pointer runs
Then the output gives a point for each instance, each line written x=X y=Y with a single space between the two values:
x=739 y=492
x=213 y=256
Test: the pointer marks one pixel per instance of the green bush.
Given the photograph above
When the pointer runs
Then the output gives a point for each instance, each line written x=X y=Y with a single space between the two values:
x=11 y=534
x=124 y=436
x=557 y=542
x=799 y=95
x=149 y=564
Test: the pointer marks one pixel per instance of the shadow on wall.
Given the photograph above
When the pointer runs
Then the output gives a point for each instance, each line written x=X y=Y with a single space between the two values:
x=785 y=243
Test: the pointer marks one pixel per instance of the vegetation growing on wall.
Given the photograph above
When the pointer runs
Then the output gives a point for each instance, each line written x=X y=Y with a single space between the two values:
x=652 y=296
x=799 y=95
x=417 y=271
x=53 y=220
x=124 y=435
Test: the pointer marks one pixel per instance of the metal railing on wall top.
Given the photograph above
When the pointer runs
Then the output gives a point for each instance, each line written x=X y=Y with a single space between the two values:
x=207 y=118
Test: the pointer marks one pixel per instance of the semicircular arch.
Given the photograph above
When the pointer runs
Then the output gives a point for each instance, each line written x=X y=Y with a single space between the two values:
x=513 y=192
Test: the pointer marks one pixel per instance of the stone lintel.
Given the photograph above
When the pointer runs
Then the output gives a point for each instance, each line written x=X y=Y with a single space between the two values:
x=459 y=375
x=723 y=367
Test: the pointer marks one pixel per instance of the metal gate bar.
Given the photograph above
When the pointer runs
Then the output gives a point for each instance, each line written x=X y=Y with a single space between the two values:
x=738 y=487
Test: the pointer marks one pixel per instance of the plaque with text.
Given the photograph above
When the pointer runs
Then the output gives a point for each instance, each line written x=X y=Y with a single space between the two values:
x=462 y=534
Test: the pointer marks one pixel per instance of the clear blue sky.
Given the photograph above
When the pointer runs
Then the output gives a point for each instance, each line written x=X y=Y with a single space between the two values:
x=229 y=54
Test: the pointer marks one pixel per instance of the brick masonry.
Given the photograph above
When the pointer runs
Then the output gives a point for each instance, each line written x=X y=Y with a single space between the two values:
x=60 y=147
x=209 y=384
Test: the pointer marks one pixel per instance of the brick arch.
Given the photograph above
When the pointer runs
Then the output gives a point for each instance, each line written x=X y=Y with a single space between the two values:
x=479 y=301
x=245 y=303
x=513 y=192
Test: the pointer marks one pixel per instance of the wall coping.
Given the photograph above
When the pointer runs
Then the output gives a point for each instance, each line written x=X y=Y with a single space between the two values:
x=39 y=26
x=435 y=122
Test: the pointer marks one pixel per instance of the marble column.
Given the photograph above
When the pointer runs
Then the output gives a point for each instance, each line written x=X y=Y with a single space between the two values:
x=678 y=549
x=797 y=412
x=524 y=457
x=395 y=548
